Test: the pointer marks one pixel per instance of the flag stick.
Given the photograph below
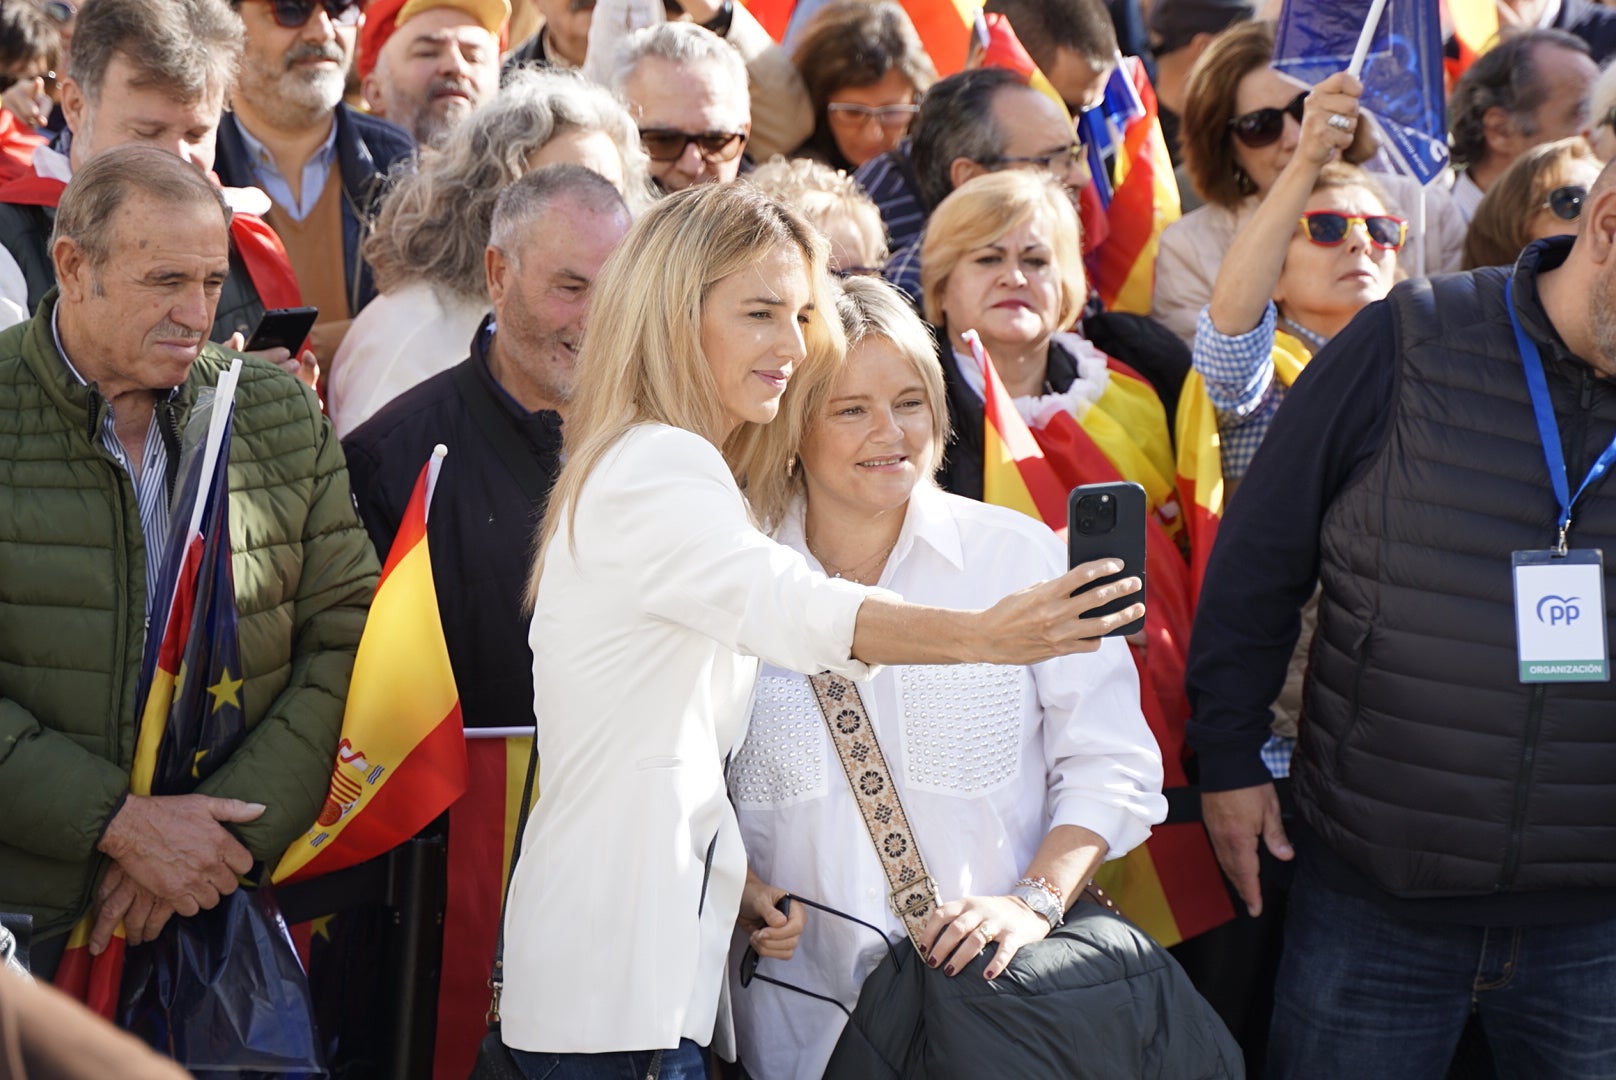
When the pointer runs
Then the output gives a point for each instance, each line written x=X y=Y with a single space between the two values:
x=434 y=466
x=1355 y=69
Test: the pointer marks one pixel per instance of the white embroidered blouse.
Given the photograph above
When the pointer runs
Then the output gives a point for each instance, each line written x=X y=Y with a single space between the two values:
x=987 y=759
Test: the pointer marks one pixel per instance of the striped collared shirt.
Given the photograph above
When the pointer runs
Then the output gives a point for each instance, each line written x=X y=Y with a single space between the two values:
x=150 y=479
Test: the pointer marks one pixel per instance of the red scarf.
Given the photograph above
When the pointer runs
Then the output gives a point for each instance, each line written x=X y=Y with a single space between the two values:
x=261 y=250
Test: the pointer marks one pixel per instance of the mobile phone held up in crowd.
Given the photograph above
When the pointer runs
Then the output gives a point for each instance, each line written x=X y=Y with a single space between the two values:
x=282 y=328
x=1107 y=521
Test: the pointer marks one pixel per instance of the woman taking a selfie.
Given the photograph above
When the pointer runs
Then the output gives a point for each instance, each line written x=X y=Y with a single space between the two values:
x=1017 y=781
x=655 y=596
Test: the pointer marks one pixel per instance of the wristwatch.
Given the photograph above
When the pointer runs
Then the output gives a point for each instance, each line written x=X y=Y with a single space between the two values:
x=1042 y=902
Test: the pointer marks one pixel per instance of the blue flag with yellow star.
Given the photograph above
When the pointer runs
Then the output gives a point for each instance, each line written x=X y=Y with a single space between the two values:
x=192 y=678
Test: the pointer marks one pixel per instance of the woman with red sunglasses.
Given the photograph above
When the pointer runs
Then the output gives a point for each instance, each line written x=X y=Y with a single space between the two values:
x=1242 y=125
x=1320 y=248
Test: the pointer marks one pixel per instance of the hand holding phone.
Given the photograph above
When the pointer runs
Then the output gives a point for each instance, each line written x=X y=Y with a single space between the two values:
x=1107 y=521
x=282 y=328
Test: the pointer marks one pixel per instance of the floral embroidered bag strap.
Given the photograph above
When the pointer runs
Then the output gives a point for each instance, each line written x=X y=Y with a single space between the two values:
x=913 y=891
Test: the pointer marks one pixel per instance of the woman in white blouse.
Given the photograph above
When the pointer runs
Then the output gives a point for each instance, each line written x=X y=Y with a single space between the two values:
x=655 y=595
x=1007 y=773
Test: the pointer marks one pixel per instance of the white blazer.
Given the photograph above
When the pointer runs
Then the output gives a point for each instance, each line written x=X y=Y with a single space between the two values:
x=645 y=642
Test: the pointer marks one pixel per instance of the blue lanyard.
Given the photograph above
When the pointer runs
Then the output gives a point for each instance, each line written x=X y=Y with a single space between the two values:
x=1548 y=429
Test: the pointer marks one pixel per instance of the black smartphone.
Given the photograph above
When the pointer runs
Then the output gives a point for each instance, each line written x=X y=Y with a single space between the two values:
x=1107 y=521
x=282 y=328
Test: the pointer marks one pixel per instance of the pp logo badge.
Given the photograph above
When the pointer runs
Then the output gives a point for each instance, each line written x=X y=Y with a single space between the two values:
x=1558 y=610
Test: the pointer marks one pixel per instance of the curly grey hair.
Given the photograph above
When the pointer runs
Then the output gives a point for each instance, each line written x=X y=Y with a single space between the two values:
x=435 y=222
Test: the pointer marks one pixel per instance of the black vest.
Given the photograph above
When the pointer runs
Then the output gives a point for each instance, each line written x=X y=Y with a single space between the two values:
x=1424 y=762
x=25 y=232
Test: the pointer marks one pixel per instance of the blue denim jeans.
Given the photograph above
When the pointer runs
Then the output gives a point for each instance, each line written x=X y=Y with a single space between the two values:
x=686 y=1062
x=1364 y=993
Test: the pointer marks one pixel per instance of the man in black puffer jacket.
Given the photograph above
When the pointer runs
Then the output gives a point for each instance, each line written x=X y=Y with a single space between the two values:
x=1457 y=847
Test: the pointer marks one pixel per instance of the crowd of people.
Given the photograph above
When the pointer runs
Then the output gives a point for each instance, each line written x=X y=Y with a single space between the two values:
x=759 y=336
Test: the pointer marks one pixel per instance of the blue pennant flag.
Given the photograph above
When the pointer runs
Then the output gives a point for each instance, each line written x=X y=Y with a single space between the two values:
x=1402 y=76
x=1101 y=129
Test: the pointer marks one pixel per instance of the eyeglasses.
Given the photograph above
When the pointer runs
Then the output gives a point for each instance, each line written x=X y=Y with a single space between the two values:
x=668 y=144
x=291 y=14
x=1056 y=161
x=749 y=959
x=1263 y=127
x=1327 y=228
x=894 y=117
x=1566 y=202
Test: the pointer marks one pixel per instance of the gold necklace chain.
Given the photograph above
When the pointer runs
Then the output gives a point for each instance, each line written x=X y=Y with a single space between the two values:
x=857 y=570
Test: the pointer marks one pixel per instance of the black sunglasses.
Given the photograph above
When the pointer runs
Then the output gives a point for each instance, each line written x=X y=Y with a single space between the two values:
x=1327 y=228
x=292 y=14
x=1566 y=202
x=749 y=959
x=668 y=144
x=1263 y=127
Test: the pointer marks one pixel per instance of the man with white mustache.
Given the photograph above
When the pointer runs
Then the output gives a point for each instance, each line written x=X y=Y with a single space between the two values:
x=100 y=386
x=322 y=163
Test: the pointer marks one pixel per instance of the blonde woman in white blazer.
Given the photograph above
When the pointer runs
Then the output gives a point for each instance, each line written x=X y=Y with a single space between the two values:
x=655 y=598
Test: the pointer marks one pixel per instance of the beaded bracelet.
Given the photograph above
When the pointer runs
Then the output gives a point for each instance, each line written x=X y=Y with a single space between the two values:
x=1044 y=884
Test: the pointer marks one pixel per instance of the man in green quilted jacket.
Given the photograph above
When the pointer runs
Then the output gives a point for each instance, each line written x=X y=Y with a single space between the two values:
x=94 y=393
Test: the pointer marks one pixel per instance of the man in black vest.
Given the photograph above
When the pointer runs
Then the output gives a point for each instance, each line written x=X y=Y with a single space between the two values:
x=1456 y=847
x=499 y=413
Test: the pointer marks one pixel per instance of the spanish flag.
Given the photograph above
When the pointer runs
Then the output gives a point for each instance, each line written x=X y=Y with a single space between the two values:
x=1171 y=885
x=944 y=26
x=1140 y=194
x=190 y=681
x=401 y=760
x=482 y=832
x=1201 y=484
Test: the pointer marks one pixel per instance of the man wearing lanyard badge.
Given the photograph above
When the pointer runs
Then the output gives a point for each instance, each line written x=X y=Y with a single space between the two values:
x=1442 y=469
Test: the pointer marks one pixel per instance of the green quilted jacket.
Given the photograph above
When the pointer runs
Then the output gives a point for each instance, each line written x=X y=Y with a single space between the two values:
x=72 y=615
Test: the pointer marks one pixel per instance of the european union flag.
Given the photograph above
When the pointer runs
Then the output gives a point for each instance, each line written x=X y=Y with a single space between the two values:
x=193 y=659
x=1402 y=75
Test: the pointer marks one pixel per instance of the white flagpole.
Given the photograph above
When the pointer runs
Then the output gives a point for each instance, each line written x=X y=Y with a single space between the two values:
x=224 y=399
x=1362 y=51
x=433 y=466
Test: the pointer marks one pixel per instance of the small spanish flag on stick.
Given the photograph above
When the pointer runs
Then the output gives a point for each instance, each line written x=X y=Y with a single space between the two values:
x=402 y=757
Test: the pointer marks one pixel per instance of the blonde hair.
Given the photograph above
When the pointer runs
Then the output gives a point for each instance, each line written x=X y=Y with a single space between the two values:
x=823 y=195
x=641 y=359
x=981 y=211
x=870 y=310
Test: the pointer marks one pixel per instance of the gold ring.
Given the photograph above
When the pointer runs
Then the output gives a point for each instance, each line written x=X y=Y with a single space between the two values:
x=987 y=938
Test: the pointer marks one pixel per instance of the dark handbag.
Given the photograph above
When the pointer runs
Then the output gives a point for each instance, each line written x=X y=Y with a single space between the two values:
x=1095 y=1000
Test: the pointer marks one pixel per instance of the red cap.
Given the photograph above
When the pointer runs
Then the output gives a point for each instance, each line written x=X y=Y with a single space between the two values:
x=382 y=17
